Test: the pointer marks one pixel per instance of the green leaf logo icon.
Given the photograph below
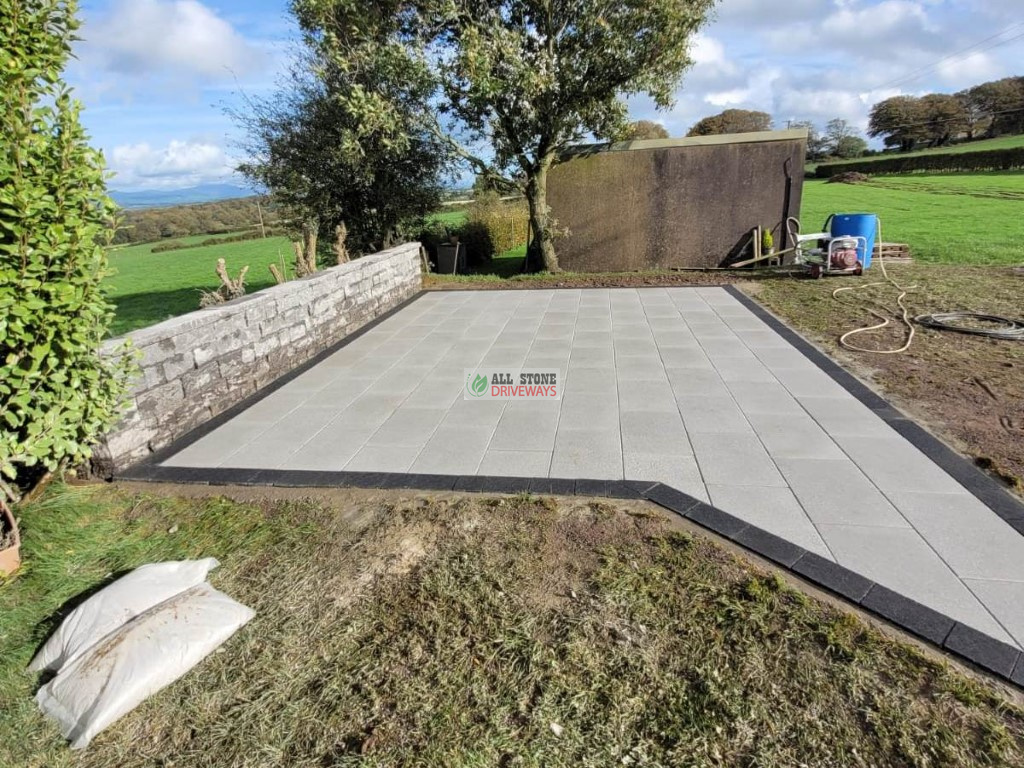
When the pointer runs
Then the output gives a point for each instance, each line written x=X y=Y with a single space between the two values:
x=479 y=385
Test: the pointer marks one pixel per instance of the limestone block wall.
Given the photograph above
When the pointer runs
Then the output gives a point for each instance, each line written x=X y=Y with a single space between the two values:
x=198 y=365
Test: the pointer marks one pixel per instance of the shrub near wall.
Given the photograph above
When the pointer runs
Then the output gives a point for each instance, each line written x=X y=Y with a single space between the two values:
x=492 y=227
x=56 y=391
x=988 y=160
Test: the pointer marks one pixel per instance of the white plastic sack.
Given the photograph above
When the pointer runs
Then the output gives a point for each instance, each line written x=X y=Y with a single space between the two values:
x=116 y=604
x=148 y=653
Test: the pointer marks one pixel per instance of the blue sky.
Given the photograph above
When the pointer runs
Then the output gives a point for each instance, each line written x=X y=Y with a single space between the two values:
x=154 y=74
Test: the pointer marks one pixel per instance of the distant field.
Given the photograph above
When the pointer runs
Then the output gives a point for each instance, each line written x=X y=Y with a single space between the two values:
x=952 y=218
x=150 y=287
x=1003 y=142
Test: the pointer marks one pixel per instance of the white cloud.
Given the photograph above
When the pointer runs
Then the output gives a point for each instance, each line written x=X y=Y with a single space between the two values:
x=174 y=38
x=178 y=164
x=819 y=59
x=968 y=70
x=709 y=52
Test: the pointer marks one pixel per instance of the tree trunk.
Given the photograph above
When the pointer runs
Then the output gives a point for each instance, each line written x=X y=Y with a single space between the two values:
x=542 y=247
x=340 y=250
x=305 y=251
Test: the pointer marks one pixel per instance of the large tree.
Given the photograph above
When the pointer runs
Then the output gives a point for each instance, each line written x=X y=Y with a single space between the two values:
x=312 y=148
x=849 y=147
x=1003 y=102
x=944 y=118
x=838 y=129
x=733 y=121
x=975 y=114
x=644 y=129
x=343 y=143
x=524 y=79
x=899 y=121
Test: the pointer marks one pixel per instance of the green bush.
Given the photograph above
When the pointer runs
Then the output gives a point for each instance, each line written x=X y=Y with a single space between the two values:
x=493 y=226
x=986 y=160
x=172 y=245
x=57 y=393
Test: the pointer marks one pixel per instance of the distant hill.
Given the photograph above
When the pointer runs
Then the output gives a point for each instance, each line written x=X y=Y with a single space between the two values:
x=204 y=193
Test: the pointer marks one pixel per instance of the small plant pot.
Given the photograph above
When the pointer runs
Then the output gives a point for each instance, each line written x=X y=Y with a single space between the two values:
x=10 y=540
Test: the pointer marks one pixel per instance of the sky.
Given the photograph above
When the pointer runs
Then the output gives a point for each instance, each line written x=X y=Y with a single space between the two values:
x=156 y=75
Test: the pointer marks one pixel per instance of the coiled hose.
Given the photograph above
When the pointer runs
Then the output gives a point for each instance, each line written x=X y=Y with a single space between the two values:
x=1012 y=330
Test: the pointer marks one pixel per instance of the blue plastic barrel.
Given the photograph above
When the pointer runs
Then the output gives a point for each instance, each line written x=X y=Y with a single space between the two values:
x=857 y=225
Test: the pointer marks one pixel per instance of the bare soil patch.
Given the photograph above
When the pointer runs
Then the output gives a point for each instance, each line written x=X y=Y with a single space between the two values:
x=968 y=389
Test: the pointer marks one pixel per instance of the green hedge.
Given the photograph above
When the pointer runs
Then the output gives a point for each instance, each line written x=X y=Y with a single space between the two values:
x=492 y=227
x=58 y=392
x=987 y=160
x=178 y=245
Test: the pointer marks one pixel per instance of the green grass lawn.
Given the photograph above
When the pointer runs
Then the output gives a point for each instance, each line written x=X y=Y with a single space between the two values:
x=449 y=216
x=148 y=287
x=397 y=629
x=950 y=218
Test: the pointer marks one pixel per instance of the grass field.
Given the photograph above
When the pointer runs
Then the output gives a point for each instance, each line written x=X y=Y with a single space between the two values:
x=400 y=629
x=148 y=287
x=1003 y=142
x=949 y=218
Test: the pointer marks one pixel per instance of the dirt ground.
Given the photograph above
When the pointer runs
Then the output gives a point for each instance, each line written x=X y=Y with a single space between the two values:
x=969 y=390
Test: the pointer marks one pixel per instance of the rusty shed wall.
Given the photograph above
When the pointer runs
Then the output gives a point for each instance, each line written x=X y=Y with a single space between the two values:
x=672 y=206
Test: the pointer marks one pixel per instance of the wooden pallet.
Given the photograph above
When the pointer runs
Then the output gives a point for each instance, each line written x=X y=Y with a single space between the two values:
x=894 y=252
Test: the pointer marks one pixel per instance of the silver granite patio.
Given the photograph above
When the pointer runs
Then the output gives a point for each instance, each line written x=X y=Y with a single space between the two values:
x=685 y=386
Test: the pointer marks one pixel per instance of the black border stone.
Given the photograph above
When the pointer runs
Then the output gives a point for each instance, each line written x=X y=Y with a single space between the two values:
x=553 y=486
x=640 y=486
x=716 y=520
x=985 y=651
x=492 y=484
x=909 y=614
x=588 y=487
x=833 y=576
x=1018 y=672
x=618 y=489
x=670 y=498
x=769 y=545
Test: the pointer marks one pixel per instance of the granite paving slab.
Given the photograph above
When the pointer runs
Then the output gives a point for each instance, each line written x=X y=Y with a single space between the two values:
x=682 y=386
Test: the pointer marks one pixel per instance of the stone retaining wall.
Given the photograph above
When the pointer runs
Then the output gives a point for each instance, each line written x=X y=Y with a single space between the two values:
x=198 y=365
